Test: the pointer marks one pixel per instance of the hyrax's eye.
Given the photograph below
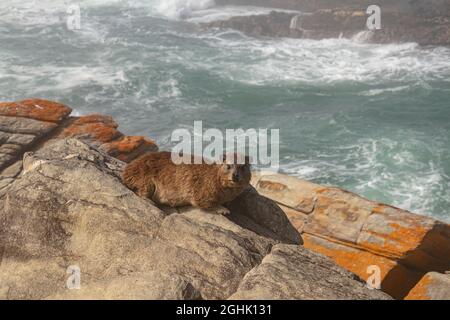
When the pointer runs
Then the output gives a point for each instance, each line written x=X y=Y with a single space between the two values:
x=228 y=166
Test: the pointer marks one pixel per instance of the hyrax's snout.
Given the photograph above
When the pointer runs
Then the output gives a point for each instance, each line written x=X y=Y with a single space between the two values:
x=236 y=176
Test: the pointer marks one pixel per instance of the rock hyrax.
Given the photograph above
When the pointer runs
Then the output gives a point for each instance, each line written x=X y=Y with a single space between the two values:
x=207 y=186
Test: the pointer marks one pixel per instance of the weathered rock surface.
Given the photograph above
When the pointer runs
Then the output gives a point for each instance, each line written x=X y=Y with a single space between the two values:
x=69 y=208
x=210 y=250
x=137 y=286
x=357 y=233
x=62 y=204
x=293 y=272
x=24 y=123
x=36 y=109
x=424 y=22
x=433 y=286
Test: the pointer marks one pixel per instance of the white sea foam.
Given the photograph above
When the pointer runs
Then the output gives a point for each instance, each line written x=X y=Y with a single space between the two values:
x=181 y=9
x=331 y=60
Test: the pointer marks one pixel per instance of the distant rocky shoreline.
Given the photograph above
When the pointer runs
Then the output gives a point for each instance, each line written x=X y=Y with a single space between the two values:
x=62 y=205
x=420 y=21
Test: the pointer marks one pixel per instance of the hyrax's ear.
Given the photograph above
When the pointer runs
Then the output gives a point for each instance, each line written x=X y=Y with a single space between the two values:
x=229 y=158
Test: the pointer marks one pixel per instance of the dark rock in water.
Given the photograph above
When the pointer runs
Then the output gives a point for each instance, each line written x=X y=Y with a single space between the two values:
x=427 y=23
x=426 y=7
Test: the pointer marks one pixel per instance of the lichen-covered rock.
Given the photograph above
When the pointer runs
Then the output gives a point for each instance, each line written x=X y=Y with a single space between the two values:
x=63 y=204
x=293 y=272
x=128 y=148
x=358 y=233
x=433 y=286
x=23 y=124
x=95 y=128
x=102 y=132
x=37 y=109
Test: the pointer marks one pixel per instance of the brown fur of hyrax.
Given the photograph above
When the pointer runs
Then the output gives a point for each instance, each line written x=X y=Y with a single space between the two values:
x=207 y=186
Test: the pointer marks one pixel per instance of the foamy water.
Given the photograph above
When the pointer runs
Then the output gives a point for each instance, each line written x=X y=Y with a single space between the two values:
x=374 y=119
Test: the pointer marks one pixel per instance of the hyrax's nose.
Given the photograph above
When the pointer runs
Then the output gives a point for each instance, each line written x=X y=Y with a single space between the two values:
x=236 y=176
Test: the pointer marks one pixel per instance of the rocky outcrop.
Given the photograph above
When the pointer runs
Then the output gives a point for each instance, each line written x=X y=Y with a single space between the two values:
x=412 y=21
x=432 y=7
x=69 y=209
x=293 y=272
x=357 y=233
x=64 y=208
x=25 y=123
x=101 y=131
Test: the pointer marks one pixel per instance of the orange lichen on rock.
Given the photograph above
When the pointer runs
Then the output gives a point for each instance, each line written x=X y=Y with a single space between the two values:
x=102 y=131
x=338 y=214
x=95 y=128
x=394 y=232
x=420 y=291
x=129 y=147
x=395 y=278
x=37 y=109
x=352 y=259
x=433 y=286
x=357 y=233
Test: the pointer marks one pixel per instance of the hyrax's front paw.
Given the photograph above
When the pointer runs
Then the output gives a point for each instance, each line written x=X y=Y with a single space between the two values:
x=223 y=211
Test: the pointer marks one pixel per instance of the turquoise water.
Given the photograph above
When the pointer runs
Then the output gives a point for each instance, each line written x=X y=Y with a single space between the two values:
x=374 y=119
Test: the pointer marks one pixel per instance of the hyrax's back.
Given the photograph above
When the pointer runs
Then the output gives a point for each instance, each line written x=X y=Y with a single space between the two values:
x=145 y=171
x=155 y=176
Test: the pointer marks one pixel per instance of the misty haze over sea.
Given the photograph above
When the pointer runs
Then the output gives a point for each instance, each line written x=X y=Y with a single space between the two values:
x=373 y=119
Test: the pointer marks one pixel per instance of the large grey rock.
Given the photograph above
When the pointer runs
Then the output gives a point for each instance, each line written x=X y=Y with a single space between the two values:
x=138 y=286
x=210 y=250
x=69 y=208
x=16 y=125
x=293 y=272
x=263 y=216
